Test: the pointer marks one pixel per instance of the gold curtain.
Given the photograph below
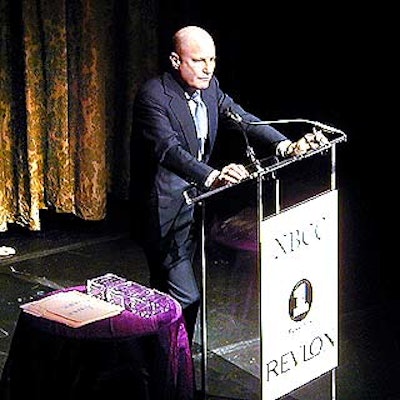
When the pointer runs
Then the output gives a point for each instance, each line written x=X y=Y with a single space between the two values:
x=69 y=70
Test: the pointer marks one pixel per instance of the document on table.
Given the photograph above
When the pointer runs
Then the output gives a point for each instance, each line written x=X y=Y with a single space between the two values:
x=72 y=308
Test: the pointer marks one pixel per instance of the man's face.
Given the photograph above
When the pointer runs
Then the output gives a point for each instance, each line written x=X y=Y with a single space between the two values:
x=196 y=63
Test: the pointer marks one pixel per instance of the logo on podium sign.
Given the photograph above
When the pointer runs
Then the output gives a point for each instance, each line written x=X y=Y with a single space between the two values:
x=299 y=295
x=300 y=300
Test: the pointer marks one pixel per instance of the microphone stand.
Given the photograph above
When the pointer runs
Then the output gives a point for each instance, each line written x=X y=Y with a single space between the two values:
x=250 y=153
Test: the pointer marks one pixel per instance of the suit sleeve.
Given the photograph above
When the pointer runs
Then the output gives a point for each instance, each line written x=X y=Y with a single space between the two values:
x=265 y=134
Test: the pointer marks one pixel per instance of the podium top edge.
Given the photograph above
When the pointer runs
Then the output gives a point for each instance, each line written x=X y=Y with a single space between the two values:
x=269 y=169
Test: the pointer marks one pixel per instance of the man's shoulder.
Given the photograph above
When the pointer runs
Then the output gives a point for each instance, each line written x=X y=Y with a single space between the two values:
x=151 y=84
x=160 y=84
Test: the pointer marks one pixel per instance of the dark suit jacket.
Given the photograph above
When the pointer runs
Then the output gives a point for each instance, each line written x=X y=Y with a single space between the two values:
x=164 y=146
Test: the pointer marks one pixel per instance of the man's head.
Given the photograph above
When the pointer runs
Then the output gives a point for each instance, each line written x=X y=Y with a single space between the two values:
x=194 y=56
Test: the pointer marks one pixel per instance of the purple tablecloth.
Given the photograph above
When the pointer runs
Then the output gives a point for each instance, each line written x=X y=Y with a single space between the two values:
x=125 y=356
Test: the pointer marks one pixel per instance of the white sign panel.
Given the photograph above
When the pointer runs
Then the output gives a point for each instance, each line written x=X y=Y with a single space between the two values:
x=299 y=295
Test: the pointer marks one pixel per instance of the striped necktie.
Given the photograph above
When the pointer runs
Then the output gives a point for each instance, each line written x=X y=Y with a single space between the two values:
x=200 y=121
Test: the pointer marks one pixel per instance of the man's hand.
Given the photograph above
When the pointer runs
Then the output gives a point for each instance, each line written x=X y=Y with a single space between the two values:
x=230 y=174
x=310 y=141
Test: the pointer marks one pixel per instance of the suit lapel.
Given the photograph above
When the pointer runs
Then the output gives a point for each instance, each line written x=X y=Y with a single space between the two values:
x=179 y=106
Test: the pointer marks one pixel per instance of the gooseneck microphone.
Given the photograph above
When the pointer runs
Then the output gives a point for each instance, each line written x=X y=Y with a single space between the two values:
x=233 y=115
x=250 y=153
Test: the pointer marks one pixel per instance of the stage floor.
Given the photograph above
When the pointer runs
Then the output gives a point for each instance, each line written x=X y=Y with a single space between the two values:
x=67 y=251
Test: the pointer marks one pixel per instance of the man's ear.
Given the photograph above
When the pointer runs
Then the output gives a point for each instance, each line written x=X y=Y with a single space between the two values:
x=175 y=61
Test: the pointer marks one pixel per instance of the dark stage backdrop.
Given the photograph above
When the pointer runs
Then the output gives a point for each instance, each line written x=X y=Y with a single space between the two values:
x=321 y=62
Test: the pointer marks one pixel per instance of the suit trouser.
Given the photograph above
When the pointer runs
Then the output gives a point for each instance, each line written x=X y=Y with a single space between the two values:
x=170 y=260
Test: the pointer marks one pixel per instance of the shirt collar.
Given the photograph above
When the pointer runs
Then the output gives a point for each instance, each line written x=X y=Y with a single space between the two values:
x=190 y=96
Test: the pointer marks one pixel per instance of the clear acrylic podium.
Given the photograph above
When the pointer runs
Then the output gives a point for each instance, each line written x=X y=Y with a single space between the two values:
x=285 y=219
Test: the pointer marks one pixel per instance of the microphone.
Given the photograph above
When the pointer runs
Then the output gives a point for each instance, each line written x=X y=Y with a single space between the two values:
x=250 y=153
x=233 y=115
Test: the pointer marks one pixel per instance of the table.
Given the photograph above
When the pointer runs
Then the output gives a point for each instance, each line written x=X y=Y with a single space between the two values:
x=125 y=356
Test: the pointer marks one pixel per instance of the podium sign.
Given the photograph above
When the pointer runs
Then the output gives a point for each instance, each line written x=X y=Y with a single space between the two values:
x=299 y=295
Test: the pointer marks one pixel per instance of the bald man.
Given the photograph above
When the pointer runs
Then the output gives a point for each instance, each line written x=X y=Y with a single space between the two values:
x=171 y=154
